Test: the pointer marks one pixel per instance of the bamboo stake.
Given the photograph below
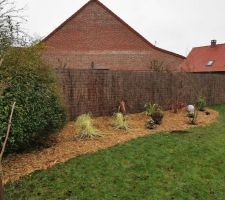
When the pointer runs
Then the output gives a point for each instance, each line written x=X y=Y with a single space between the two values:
x=8 y=131
x=3 y=150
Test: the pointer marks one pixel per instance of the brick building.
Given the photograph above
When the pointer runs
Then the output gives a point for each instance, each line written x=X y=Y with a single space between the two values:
x=206 y=59
x=95 y=37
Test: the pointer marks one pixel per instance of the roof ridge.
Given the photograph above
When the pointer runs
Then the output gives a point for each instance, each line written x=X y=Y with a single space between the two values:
x=63 y=23
x=119 y=19
x=208 y=46
x=138 y=34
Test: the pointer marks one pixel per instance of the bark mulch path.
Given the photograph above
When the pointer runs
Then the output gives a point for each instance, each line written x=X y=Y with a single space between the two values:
x=64 y=146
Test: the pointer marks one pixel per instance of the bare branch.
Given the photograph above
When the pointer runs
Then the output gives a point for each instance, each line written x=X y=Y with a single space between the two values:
x=10 y=26
x=160 y=65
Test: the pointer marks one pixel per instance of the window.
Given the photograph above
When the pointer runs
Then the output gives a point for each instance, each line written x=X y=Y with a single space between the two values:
x=210 y=63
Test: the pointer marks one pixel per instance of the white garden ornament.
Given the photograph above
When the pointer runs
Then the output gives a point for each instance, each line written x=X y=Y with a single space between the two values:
x=190 y=108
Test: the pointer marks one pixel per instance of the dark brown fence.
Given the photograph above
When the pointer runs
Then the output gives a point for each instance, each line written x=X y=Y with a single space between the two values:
x=99 y=91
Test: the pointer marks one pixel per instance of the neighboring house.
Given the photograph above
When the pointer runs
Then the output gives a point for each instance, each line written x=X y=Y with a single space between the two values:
x=96 y=38
x=206 y=59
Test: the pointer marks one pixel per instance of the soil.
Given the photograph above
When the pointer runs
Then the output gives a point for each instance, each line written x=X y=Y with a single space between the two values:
x=64 y=146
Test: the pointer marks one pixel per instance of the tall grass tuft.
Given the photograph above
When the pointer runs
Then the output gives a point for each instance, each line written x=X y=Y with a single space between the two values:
x=151 y=109
x=120 y=121
x=85 y=127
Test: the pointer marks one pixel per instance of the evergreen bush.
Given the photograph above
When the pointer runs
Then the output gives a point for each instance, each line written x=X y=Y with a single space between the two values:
x=33 y=85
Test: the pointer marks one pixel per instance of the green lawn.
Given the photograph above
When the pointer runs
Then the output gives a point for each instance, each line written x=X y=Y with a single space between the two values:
x=163 y=166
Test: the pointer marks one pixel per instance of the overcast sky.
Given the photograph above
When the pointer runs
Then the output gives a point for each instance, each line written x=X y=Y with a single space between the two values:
x=175 y=25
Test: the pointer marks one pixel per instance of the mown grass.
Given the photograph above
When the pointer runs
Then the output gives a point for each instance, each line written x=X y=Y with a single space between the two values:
x=186 y=165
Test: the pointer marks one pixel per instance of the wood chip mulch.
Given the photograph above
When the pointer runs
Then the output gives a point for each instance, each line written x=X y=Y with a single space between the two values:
x=64 y=146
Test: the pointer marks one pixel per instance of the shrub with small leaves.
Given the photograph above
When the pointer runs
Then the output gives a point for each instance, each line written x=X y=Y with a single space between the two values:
x=28 y=81
x=120 y=121
x=201 y=103
x=85 y=128
x=157 y=117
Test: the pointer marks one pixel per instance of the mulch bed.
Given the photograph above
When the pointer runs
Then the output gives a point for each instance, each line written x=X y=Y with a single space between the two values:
x=63 y=145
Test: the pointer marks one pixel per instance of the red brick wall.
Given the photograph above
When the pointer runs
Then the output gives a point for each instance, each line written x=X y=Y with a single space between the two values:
x=96 y=35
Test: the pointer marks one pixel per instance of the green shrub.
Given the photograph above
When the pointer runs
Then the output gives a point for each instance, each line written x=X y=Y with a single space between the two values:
x=201 y=103
x=85 y=127
x=120 y=121
x=151 y=108
x=155 y=112
x=157 y=117
x=33 y=85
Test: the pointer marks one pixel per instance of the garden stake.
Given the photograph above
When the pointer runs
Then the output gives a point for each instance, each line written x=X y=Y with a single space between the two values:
x=3 y=149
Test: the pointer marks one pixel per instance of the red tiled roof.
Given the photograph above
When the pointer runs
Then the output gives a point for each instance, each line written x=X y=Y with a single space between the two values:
x=118 y=18
x=199 y=57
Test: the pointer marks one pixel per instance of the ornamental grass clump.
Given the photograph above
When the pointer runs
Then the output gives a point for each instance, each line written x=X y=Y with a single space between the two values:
x=85 y=127
x=151 y=109
x=120 y=121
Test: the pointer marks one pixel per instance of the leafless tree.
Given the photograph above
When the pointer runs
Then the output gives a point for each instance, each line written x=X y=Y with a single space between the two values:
x=157 y=65
x=10 y=23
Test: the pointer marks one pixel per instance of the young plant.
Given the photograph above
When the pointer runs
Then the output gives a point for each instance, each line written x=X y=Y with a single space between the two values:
x=152 y=108
x=157 y=117
x=175 y=105
x=151 y=124
x=85 y=127
x=193 y=116
x=155 y=112
x=122 y=107
x=120 y=121
x=201 y=103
